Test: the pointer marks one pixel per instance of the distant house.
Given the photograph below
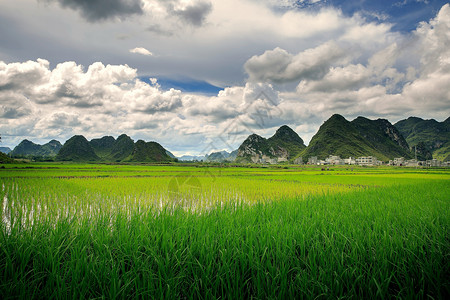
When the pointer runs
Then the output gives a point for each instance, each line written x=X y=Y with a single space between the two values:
x=412 y=163
x=350 y=161
x=434 y=163
x=399 y=161
x=312 y=160
x=367 y=161
x=334 y=160
x=298 y=161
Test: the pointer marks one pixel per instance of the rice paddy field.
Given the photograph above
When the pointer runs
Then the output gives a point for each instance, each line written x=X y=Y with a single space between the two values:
x=180 y=232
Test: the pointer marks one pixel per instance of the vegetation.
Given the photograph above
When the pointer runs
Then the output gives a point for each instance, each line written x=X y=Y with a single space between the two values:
x=435 y=135
x=284 y=143
x=121 y=149
x=5 y=159
x=288 y=139
x=382 y=136
x=149 y=152
x=110 y=231
x=5 y=150
x=443 y=153
x=108 y=149
x=102 y=147
x=361 y=137
x=77 y=148
x=27 y=148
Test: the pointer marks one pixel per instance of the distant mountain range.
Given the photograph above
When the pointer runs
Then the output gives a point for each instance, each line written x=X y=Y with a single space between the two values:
x=5 y=150
x=191 y=158
x=285 y=144
x=360 y=137
x=28 y=148
x=221 y=156
x=408 y=138
x=108 y=149
x=428 y=136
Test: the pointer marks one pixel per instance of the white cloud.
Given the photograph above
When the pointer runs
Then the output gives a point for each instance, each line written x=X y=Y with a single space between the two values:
x=140 y=50
x=279 y=66
x=150 y=99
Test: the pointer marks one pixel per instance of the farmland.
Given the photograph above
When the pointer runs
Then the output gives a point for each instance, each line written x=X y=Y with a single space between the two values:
x=134 y=231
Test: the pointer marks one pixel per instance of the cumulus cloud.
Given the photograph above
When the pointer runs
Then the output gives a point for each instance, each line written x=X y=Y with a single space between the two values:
x=141 y=50
x=150 y=99
x=280 y=66
x=430 y=89
x=100 y=10
x=15 y=76
x=69 y=99
x=338 y=78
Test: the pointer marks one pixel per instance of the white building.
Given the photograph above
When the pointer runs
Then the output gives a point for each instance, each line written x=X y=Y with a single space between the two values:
x=334 y=160
x=412 y=163
x=367 y=161
x=349 y=161
x=312 y=160
x=434 y=163
x=399 y=161
x=298 y=160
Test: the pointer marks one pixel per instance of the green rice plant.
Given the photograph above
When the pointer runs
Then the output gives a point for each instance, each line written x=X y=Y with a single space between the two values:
x=241 y=233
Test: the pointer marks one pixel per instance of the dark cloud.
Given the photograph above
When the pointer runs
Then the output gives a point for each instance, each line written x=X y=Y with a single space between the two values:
x=159 y=30
x=61 y=119
x=13 y=112
x=194 y=14
x=100 y=10
x=13 y=106
x=139 y=125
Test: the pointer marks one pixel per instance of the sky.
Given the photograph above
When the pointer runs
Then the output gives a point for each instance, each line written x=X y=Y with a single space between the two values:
x=201 y=75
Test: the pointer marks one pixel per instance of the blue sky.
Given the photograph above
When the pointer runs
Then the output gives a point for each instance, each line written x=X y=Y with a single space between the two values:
x=190 y=73
x=404 y=14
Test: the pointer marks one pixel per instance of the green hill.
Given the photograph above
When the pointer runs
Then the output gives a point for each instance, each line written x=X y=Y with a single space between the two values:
x=443 y=153
x=149 y=152
x=284 y=144
x=103 y=146
x=433 y=134
x=25 y=148
x=121 y=149
x=28 y=148
x=108 y=149
x=382 y=136
x=5 y=159
x=361 y=137
x=221 y=156
x=77 y=148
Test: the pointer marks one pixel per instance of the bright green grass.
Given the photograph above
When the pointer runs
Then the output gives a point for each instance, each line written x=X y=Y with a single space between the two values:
x=98 y=231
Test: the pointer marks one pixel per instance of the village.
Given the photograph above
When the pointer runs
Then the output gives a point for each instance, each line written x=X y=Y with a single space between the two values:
x=360 y=161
